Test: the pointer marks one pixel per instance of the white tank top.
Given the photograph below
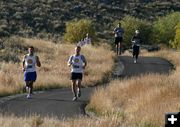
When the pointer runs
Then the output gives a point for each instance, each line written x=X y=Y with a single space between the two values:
x=77 y=64
x=30 y=63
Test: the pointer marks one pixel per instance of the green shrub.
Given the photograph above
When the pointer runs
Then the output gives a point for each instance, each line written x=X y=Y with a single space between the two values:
x=176 y=42
x=164 y=28
x=76 y=30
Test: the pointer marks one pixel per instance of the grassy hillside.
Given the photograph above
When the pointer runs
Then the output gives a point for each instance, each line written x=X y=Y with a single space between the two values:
x=47 y=18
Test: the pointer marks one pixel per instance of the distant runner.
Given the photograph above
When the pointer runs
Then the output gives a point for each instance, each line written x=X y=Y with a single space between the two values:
x=118 y=33
x=77 y=62
x=30 y=61
x=136 y=42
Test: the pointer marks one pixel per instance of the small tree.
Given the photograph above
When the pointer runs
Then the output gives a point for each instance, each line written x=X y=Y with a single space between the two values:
x=77 y=30
x=176 y=42
x=164 y=28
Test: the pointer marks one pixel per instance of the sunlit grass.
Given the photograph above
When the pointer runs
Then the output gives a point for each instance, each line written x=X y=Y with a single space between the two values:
x=145 y=99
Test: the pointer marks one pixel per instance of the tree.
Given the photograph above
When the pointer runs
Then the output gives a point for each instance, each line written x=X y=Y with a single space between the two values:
x=176 y=42
x=164 y=28
x=77 y=30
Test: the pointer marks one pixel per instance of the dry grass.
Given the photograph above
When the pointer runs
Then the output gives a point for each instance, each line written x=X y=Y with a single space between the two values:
x=36 y=121
x=143 y=100
x=54 y=72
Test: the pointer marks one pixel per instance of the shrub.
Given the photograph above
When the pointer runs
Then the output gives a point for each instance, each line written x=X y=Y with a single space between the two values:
x=76 y=30
x=176 y=42
x=164 y=28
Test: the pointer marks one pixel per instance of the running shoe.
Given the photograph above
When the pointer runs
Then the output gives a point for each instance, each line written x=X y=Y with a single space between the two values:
x=29 y=96
x=74 y=98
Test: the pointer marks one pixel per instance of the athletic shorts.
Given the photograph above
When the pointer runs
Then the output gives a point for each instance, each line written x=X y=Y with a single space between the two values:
x=118 y=40
x=135 y=49
x=75 y=76
x=30 y=76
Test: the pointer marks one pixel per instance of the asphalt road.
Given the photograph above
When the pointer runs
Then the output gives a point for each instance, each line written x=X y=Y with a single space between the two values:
x=59 y=102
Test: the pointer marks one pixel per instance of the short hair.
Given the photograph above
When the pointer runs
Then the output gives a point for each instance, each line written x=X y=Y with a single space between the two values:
x=137 y=31
x=31 y=47
x=78 y=47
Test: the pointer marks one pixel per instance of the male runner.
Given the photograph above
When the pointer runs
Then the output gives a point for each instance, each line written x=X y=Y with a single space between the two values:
x=30 y=61
x=77 y=62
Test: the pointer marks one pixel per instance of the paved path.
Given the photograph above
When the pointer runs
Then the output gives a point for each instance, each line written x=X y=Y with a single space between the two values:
x=59 y=102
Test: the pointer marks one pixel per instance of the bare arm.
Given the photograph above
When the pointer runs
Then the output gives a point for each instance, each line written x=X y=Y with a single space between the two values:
x=85 y=62
x=69 y=63
x=23 y=63
x=38 y=63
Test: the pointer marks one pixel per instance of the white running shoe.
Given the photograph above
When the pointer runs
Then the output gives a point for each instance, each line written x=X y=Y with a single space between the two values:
x=29 y=96
x=74 y=98
x=135 y=61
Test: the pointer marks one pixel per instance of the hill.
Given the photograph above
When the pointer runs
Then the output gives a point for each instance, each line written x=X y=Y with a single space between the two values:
x=48 y=17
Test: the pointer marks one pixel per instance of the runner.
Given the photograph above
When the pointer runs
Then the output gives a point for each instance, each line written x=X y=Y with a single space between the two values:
x=77 y=62
x=30 y=61
x=136 y=41
x=118 y=33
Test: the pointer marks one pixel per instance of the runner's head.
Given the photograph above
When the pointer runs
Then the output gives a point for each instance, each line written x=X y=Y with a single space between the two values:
x=77 y=50
x=136 y=32
x=31 y=50
x=119 y=24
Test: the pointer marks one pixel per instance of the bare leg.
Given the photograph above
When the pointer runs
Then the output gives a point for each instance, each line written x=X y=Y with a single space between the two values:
x=31 y=87
x=79 y=87
x=119 y=48
x=27 y=86
x=74 y=88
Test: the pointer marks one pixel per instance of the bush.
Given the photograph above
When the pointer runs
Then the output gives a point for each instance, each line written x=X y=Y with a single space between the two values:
x=176 y=42
x=76 y=30
x=164 y=28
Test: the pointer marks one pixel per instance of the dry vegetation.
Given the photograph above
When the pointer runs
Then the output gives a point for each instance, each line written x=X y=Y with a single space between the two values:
x=143 y=100
x=54 y=72
x=36 y=121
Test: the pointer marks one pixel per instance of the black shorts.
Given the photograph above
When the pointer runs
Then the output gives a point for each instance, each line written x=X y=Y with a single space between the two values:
x=135 y=50
x=118 y=40
x=75 y=76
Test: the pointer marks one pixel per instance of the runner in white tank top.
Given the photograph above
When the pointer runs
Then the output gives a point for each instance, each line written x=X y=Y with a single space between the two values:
x=77 y=62
x=30 y=63
x=29 y=67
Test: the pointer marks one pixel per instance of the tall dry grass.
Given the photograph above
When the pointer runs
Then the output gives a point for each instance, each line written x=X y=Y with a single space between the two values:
x=36 y=121
x=142 y=100
x=54 y=71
